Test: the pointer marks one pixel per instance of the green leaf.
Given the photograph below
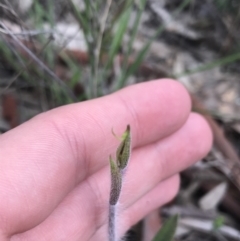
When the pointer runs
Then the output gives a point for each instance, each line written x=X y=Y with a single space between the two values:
x=124 y=149
x=166 y=233
x=116 y=182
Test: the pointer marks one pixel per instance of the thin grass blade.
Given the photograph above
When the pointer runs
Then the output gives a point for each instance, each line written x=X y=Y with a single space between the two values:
x=166 y=233
x=220 y=62
x=118 y=37
x=139 y=59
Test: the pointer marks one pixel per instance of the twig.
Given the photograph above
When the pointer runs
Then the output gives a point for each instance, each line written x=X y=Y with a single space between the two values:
x=8 y=9
x=232 y=160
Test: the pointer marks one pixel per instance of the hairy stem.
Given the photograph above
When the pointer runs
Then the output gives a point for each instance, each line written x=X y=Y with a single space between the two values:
x=112 y=223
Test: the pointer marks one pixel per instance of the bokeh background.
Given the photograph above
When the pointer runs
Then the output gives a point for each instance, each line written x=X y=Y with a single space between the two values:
x=57 y=52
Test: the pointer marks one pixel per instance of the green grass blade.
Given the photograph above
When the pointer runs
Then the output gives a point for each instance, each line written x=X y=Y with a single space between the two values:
x=122 y=7
x=135 y=27
x=182 y=6
x=38 y=14
x=122 y=78
x=80 y=17
x=87 y=6
x=84 y=19
x=220 y=62
x=166 y=233
x=116 y=15
x=139 y=59
x=141 y=55
x=118 y=37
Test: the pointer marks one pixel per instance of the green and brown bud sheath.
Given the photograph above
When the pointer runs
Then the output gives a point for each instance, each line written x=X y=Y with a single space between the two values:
x=124 y=149
x=116 y=182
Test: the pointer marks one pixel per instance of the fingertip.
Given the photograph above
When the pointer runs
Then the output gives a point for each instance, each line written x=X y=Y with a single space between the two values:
x=204 y=133
x=181 y=103
x=158 y=107
x=175 y=186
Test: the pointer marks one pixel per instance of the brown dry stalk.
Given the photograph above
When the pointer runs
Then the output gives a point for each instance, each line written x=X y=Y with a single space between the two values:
x=232 y=161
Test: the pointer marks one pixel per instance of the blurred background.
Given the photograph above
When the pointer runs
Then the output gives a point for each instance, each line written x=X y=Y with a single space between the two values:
x=54 y=53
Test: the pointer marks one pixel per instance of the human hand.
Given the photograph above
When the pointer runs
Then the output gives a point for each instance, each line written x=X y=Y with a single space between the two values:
x=54 y=169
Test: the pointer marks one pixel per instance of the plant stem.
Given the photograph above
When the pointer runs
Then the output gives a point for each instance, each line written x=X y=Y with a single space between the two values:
x=112 y=227
x=118 y=169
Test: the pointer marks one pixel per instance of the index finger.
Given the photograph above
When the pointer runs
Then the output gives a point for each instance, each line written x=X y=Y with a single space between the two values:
x=154 y=110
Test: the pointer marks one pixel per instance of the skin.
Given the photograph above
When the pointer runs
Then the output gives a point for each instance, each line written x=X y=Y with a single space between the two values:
x=54 y=170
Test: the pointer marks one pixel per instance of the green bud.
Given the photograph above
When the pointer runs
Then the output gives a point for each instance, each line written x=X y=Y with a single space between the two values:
x=124 y=149
x=116 y=182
